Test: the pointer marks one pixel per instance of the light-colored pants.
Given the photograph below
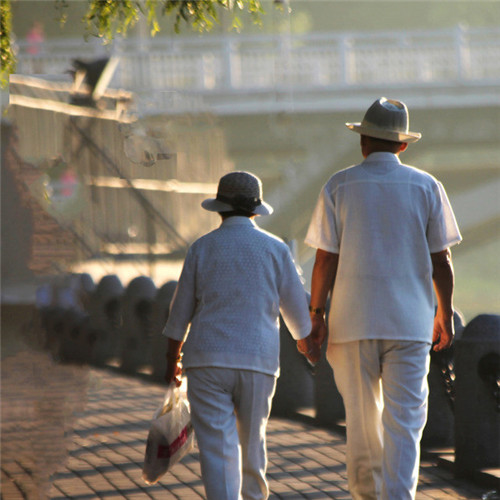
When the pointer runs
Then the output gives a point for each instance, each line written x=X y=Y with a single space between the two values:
x=384 y=387
x=229 y=411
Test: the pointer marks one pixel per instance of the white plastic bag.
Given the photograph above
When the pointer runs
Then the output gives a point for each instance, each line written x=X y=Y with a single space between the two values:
x=170 y=436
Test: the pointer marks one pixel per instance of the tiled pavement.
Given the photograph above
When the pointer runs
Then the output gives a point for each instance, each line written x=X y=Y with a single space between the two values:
x=79 y=433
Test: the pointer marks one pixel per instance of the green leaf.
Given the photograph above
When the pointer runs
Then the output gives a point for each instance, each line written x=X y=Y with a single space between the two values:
x=7 y=56
x=236 y=25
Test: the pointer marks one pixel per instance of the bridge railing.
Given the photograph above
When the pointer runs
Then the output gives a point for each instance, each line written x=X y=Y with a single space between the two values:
x=238 y=73
x=261 y=62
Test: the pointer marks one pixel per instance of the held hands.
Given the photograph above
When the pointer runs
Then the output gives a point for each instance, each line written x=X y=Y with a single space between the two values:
x=309 y=349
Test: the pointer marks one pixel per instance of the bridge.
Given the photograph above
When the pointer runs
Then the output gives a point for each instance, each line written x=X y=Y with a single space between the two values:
x=239 y=74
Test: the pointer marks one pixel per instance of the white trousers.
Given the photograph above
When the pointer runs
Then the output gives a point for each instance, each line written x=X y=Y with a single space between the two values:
x=384 y=388
x=229 y=410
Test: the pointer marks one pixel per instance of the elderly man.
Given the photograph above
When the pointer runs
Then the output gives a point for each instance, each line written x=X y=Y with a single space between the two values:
x=234 y=283
x=382 y=231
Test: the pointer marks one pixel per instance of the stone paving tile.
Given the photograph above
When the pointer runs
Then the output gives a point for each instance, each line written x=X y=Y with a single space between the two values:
x=95 y=423
x=10 y=488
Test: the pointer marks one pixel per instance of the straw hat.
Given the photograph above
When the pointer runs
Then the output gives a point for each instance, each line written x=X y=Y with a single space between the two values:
x=238 y=191
x=386 y=119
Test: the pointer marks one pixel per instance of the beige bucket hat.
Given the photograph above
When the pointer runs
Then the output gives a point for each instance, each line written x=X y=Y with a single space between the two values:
x=386 y=119
x=238 y=191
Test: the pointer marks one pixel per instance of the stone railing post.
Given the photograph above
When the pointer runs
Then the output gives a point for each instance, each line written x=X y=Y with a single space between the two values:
x=439 y=430
x=347 y=61
x=477 y=408
x=463 y=53
x=137 y=307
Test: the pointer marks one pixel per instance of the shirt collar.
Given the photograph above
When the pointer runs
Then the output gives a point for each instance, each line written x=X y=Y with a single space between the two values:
x=238 y=220
x=383 y=157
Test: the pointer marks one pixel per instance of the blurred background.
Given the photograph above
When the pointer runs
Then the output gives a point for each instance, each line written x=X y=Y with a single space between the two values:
x=108 y=150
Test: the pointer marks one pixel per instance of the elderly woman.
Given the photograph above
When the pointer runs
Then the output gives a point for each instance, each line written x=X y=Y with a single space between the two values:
x=235 y=282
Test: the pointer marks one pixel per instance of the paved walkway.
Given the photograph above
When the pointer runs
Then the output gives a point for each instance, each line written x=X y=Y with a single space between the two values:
x=79 y=433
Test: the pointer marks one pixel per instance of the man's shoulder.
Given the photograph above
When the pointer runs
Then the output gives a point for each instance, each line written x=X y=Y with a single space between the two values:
x=340 y=177
x=357 y=172
x=341 y=174
x=420 y=175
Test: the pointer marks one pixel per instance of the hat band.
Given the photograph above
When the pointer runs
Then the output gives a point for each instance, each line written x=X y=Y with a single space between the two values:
x=240 y=201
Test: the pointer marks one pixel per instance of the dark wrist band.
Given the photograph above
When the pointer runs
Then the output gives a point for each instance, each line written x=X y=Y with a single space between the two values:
x=317 y=310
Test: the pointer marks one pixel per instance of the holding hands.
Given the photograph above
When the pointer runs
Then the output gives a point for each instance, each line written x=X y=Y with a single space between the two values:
x=310 y=346
x=323 y=278
x=309 y=349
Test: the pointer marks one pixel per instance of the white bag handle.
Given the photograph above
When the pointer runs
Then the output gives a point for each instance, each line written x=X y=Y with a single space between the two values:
x=169 y=401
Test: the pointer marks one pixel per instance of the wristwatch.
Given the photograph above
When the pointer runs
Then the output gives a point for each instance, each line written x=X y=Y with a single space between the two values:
x=317 y=310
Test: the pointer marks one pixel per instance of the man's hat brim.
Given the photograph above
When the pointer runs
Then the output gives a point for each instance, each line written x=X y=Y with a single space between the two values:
x=379 y=133
x=215 y=205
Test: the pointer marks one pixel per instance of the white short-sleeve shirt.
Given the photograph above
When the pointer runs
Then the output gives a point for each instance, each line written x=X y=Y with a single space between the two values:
x=384 y=219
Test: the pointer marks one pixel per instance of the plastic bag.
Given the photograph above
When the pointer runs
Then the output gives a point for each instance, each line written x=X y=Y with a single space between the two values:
x=170 y=436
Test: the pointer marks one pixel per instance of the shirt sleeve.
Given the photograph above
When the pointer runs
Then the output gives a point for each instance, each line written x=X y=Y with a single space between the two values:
x=293 y=300
x=442 y=228
x=322 y=232
x=183 y=302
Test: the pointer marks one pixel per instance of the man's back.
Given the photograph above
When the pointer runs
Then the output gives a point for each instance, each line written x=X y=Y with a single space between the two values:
x=384 y=209
x=384 y=214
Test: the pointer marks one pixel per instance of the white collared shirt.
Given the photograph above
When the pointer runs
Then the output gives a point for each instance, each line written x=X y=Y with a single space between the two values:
x=234 y=283
x=384 y=219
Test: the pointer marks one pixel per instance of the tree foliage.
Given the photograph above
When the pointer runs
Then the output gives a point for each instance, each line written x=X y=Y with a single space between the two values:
x=202 y=14
x=6 y=53
x=107 y=18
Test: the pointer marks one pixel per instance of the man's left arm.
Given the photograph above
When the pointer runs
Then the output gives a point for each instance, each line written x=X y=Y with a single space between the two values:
x=444 y=281
x=322 y=281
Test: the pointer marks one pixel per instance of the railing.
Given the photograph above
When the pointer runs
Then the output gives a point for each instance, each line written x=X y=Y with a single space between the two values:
x=238 y=64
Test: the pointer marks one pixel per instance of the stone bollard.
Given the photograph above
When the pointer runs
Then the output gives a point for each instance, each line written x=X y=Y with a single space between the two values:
x=45 y=319
x=137 y=307
x=295 y=385
x=55 y=300
x=439 y=430
x=105 y=319
x=477 y=415
x=76 y=341
x=161 y=309
x=61 y=322
x=52 y=326
x=84 y=286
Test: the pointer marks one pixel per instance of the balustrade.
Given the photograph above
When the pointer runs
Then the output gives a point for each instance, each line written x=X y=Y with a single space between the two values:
x=239 y=63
